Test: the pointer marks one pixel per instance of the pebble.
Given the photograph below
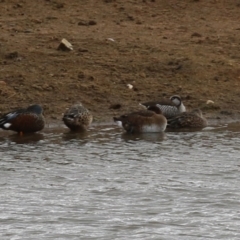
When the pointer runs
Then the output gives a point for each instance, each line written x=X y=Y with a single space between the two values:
x=210 y=102
x=65 y=45
x=130 y=86
x=111 y=39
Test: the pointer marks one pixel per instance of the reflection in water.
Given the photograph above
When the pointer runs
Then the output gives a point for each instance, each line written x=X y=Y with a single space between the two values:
x=67 y=136
x=26 y=138
x=106 y=184
x=151 y=137
x=186 y=129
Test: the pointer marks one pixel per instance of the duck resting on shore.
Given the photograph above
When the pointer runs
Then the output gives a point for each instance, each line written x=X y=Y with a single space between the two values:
x=144 y=121
x=77 y=118
x=24 y=120
x=169 y=107
x=193 y=119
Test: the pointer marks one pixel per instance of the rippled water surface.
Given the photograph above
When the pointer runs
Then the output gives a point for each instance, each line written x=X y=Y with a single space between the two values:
x=108 y=185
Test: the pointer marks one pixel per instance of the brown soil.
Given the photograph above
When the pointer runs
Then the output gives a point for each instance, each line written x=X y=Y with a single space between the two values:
x=161 y=47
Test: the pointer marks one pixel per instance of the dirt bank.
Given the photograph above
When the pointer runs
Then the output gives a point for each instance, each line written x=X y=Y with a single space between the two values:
x=190 y=48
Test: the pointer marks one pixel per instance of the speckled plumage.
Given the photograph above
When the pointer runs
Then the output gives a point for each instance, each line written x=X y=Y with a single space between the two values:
x=193 y=119
x=77 y=117
x=143 y=121
x=169 y=107
x=24 y=120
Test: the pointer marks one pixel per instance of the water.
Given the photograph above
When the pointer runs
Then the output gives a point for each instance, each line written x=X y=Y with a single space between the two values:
x=108 y=185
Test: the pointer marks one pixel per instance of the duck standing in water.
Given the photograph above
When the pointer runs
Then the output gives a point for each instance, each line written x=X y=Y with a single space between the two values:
x=145 y=121
x=193 y=119
x=169 y=107
x=77 y=118
x=24 y=120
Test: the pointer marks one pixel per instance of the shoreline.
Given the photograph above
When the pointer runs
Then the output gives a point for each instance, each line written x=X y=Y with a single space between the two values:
x=138 y=53
x=58 y=125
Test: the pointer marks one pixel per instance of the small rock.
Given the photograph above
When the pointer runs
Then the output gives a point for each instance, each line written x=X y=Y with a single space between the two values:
x=2 y=82
x=81 y=75
x=92 y=22
x=45 y=86
x=37 y=21
x=91 y=78
x=196 y=35
x=115 y=106
x=131 y=18
x=28 y=31
x=60 y=5
x=130 y=86
x=210 y=102
x=37 y=87
x=111 y=39
x=87 y=23
x=178 y=67
x=65 y=45
x=18 y=5
x=12 y=55
x=135 y=89
x=142 y=74
x=82 y=23
x=82 y=50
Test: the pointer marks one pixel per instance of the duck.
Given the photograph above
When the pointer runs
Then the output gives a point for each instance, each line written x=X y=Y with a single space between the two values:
x=169 y=107
x=193 y=119
x=24 y=120
x=143 y=121
x=77 y=117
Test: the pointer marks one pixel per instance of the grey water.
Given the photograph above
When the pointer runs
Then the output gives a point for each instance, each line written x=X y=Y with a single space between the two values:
x=105 y=184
